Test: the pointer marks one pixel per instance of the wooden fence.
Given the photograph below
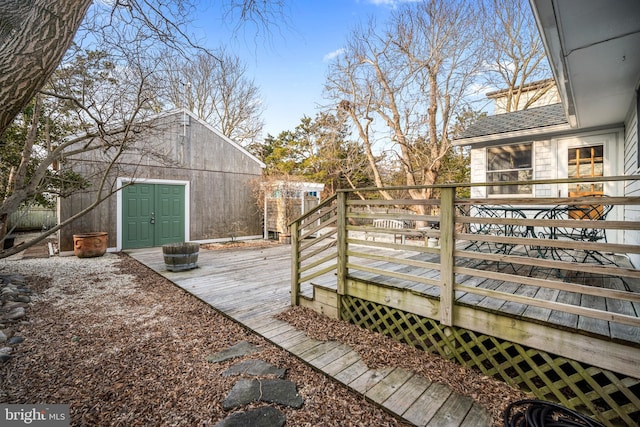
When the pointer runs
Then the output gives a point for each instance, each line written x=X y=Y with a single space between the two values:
x=33 y=219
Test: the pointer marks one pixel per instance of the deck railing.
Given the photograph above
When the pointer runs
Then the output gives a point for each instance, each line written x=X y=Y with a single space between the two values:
x=450 y=244
x=538 y=292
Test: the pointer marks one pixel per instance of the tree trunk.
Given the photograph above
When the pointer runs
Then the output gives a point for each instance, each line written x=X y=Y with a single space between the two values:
x=34 y=37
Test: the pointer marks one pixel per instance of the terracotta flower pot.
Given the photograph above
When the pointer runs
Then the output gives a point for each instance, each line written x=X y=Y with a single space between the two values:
x=88 y=245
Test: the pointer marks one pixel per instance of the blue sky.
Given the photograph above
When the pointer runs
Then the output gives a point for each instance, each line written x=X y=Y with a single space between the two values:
x=290 y=63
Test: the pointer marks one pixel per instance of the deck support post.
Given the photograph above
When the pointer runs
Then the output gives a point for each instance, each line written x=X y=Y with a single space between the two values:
x=295 y=264
x=342 y=247
x=447 y=277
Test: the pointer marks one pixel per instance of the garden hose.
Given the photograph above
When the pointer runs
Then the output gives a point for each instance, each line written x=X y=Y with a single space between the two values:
x=538 y=413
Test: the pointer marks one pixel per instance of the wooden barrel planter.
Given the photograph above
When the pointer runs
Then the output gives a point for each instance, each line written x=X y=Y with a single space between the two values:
x=89 y=245
x=181 y=256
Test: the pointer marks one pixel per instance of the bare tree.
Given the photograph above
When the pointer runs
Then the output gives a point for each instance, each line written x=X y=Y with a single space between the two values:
x=216 y=88
x=103 y=91
x=34 y=36
x=99 y=112
x=516 y=55
x=404 y=84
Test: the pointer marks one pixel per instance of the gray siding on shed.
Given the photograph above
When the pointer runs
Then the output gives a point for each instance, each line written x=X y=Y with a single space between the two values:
x=221 y=176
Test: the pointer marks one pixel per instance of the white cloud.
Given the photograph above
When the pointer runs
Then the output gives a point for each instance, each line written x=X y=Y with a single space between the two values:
x=331 y=55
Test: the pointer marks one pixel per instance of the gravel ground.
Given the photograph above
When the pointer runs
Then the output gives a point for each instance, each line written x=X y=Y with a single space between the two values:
x=123 y=346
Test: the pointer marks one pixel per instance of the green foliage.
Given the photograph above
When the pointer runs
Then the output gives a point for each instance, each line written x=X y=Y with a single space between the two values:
x=49 y=132
x=316 y=150
x=456 y=169
x=73 y=100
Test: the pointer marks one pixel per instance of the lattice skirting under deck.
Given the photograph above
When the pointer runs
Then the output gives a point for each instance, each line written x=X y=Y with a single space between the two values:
x=613 y=399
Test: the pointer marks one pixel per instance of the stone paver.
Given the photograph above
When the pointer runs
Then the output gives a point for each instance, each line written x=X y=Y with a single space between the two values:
x=255 y=368
x=278 y=391
x=243 y=348
x=267 y=416
x=258 y=389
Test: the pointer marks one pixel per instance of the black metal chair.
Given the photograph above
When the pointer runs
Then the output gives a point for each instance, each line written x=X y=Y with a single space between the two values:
x=581 y=215
x=495 y=229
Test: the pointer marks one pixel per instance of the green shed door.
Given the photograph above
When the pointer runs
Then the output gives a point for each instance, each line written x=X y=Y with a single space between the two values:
x=152 y=215
x=169 y=214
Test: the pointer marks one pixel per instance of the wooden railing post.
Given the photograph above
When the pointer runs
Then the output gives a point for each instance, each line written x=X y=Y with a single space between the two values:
x=295 y=264
x=447 y=244
x=342 y=245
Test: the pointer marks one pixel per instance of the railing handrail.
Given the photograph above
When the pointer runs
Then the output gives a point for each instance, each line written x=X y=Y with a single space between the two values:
x=346 y=225
x=315 y=209
x=593 y=179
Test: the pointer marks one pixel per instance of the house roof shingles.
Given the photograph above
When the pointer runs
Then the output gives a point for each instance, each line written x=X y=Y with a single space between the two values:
x=532 y=118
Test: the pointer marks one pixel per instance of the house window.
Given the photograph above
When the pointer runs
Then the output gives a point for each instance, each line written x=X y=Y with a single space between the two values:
x=508 y=163
x=585 y=162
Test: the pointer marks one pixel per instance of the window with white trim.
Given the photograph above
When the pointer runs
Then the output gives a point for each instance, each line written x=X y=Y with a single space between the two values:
x=510 y=163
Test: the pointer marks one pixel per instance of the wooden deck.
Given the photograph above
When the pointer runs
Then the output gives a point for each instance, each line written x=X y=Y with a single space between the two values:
x=572 y=322
x=251 y=285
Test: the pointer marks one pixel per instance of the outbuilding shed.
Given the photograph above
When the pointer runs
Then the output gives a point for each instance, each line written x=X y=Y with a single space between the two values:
x=185 y=181
x=284 y=201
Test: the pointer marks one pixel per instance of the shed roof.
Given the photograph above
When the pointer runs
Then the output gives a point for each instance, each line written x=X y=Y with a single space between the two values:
x=525 y=88
x=516 y=124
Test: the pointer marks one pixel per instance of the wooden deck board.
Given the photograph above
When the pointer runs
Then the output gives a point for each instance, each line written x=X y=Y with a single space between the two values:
x=565 y=319
x=427 y=404
x=407 y=394
x=305 y=345
x=623 y=332
x=330 y=356
x=369 y=379
x=453 y=412
x=487 y=302
x=541 y=313
x=596 y=326
x=288 y=342
x=351 y=372
x=319 y=350
x=341 y=363
x=277 y=330
x=389 y=385
x=476 y=418
x=518 y=308
x=286 y=336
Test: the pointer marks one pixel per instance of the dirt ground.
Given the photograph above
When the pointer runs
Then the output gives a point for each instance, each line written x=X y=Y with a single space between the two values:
x=123 y=346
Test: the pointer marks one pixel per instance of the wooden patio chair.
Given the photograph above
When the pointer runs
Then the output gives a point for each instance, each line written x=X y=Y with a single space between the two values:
x=391 y=224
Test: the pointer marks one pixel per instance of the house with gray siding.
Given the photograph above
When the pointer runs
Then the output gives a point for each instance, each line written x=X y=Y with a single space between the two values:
x=593 y=131
x=183 y=181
